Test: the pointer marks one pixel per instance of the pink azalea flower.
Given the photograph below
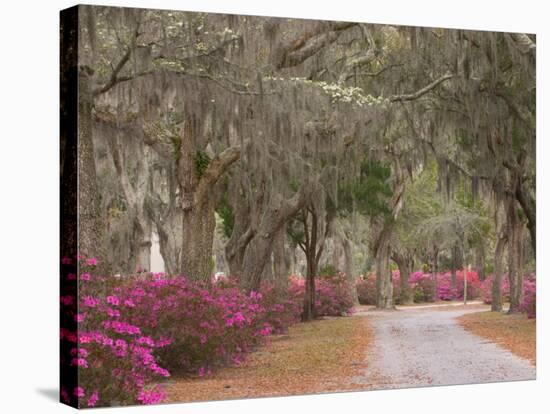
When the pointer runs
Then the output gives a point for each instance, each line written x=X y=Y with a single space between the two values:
x=85 y=276
x=80 y=362
x=90 y=301
x=129 y=303
x=79 y=392
x=91 y=262
x=93 y=399
x=113 y=300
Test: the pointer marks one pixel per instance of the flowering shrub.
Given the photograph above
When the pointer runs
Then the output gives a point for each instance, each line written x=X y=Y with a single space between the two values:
x=529 y=303
x=366 y=288
x=115 y=356
x=134 y=331
x=487 y=289
x=422 y=285
x=332 y=295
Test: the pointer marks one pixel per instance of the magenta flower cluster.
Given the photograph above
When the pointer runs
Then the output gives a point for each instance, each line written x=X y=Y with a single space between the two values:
x=333 y=294
x=133 y=332
x=529 y=301
x=422 y=287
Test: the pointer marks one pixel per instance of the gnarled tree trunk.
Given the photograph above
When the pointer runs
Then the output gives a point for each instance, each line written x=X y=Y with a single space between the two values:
x=280 y=268
x=90 y=225
x=496 y=294
x=349 y=268
x=260 y=246
x=384 y=286
x=514 y=237
x=199 y=193
x=405 y=264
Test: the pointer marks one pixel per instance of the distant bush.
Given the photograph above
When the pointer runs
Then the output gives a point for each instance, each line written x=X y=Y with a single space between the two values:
x=487 y=289
x=422 y=286
x=366 y=288
x=332 y=294
x=529 y=303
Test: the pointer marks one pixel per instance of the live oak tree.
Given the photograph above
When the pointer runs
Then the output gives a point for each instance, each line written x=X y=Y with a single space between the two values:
x=260 y=120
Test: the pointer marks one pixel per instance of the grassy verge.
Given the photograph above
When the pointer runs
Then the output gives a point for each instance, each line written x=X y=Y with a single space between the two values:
x=513 y=332
x=321 y=356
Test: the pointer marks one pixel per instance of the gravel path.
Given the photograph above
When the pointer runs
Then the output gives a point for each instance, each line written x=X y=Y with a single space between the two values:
x=426 y=347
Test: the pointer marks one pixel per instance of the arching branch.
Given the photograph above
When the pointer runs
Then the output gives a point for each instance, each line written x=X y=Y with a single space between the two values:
x=421 y=92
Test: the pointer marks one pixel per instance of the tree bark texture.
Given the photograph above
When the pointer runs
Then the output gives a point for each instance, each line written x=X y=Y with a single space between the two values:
x=496 y=294
x=514 y=245
x=90 y=224
x=259 y=248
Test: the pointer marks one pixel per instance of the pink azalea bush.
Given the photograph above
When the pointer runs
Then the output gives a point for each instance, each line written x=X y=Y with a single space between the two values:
x=332 y=295
x=529 y=302
x=115 y=355
x=125 y=335
x=422 y=286
x=206 y=328
x=487 y=289
x=366 y=288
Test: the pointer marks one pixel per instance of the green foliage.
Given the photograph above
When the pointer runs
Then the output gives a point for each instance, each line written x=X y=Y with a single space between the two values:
x=371 y=192
x=225 y=212
x=418 y=295
x=327 y=271
x=202 y=160
x=176 y=147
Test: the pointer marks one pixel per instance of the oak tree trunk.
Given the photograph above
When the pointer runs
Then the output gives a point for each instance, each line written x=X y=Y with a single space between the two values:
x=496 y=294
x=513 y=257
x=384 y=286
x=405 y=266
x=349 y=268
x=258 y=250
x=90 y=225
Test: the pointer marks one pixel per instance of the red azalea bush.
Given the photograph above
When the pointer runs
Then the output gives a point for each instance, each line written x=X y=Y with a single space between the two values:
x=473 y=285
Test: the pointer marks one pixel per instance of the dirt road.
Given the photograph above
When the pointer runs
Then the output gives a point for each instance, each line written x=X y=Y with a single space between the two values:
x=417 y=347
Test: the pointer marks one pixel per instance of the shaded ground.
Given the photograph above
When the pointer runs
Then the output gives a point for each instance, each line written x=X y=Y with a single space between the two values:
x=320 y=356
x=513 y=332
x=416 y=347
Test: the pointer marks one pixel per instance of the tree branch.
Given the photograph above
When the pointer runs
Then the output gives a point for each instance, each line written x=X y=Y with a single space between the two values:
x=309 y=43
x=159 y=139
x=421 y=92
x=216 y=168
